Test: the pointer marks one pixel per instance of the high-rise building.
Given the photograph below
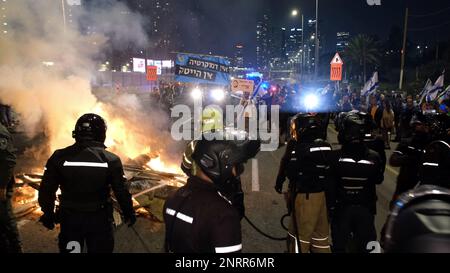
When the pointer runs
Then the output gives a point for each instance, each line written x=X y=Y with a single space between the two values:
x=310 y=45
x=4 y=27
x=343 y=40
x=72 y=11
x=293 y=42
x=263 y=40
x=239 y=56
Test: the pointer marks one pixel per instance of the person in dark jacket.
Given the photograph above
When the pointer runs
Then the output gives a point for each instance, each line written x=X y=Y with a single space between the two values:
x=357 y=170
x=9 y=235
x=200 y=217
x=86 y=173
x=306 y=163
x=408 y=155
x=406 y=115
x=376 y=111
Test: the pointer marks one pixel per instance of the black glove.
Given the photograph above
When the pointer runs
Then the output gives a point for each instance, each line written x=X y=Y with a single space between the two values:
x=279 y=186
x=48 y=221
x=130 y=219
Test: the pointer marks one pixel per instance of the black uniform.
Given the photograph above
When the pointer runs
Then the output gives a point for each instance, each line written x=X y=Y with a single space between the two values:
x=9 y=235
x=407 y=156
x=200 y=220
x=357 y=171
x=307 y=165
x=86 y=173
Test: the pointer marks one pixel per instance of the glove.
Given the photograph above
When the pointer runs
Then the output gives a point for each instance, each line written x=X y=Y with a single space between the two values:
x=130 y=220
x=48 y=221
x=279 y=186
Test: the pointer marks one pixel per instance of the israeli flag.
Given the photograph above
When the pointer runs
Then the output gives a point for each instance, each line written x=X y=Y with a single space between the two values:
x=425 y=90
x=437 y=87
x=444 y=95
x=371 y=85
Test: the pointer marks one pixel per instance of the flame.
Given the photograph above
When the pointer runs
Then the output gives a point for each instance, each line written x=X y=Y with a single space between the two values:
x=25 y=195
x=158 y=165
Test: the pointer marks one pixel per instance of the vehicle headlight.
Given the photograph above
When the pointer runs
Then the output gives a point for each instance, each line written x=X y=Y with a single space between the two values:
x=196 y=94
x=218 y=94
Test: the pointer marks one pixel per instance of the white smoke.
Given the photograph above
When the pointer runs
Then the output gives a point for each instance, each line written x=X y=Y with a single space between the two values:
x=46 y=65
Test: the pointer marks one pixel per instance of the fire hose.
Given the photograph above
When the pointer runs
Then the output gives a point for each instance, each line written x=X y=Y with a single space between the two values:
x=265 y=234
x=141 y=239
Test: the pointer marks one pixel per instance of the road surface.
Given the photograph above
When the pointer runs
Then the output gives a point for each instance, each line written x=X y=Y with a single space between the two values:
x=263 y=206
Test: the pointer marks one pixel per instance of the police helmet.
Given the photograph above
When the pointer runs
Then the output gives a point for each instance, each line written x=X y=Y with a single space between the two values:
x=418 y=118
x=435 y=166
x=305 y=127
x=369 y=123
x=419 y=222
x=351 y=127
x=216 y=158
x=90 y=127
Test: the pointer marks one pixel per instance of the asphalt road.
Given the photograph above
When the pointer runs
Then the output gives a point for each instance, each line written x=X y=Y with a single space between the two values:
x=263 y=206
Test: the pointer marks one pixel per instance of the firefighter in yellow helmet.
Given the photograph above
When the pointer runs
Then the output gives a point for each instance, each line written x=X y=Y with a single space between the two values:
x=212 y=122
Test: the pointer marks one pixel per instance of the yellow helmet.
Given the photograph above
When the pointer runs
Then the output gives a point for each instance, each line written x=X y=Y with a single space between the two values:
x=212 y=119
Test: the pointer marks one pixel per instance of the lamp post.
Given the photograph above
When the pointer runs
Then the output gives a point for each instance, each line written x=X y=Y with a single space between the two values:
x=316 y=55
x=63 y=9
x=295 y=14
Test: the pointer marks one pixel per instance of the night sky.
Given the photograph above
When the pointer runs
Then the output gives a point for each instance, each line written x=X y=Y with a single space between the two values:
x=227 y=22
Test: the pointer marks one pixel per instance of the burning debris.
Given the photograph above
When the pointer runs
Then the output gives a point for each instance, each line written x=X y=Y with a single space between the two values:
x=144 y=183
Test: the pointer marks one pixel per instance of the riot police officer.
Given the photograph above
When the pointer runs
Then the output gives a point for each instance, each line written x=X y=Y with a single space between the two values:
x=419 y=222
x=86 y=173
x=9 y=235
x=357 y=171
x=408 y=154
x=199 y=217
x=371 y=140
x=435 y=164
x=306 y=163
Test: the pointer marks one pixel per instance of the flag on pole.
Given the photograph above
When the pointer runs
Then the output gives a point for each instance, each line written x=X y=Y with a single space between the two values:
x=444 y=95
x=371 y=85
x=427 y=87
x=425 y=90
x=437 y=87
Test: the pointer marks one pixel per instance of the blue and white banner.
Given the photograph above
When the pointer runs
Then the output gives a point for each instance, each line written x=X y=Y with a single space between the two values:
x=202 y=69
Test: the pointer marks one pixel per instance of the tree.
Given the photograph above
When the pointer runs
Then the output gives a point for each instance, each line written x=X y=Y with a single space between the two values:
x=361 y=52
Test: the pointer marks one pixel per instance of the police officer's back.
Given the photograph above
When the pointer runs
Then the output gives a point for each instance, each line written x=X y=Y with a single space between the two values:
x=86 y=173
x=199 y=217
x=408 y=155
x=306 y=163
x=357 y=171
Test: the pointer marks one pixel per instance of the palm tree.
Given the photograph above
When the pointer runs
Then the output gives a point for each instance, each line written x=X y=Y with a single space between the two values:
x=361 y=52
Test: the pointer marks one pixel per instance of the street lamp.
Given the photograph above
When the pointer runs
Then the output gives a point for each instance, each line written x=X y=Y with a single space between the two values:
x=294 y=14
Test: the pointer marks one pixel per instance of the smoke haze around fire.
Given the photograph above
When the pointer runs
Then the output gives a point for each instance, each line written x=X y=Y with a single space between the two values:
x=46 y=68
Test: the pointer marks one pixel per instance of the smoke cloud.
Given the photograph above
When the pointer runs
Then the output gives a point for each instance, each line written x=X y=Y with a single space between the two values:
x=46 y=68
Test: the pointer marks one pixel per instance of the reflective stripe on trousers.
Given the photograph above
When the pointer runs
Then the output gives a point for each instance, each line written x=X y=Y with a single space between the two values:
x=312 y=222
